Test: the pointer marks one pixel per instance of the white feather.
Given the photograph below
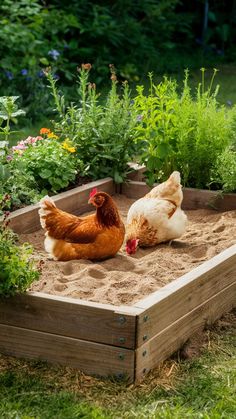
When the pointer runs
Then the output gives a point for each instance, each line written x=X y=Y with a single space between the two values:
x=43 y=212
x=49 y=244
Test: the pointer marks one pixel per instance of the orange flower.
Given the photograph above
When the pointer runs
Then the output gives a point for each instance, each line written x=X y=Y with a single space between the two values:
x=87 y=66
x=44 y=131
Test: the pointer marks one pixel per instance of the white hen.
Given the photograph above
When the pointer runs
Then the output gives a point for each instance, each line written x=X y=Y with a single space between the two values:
x=157 y=217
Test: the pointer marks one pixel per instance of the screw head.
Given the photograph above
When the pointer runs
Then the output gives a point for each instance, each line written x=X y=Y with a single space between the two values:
x=145 y=318
x=144 y=352
x=121 y=357
x=122 y=340
x=121 y=319
x=145 y=337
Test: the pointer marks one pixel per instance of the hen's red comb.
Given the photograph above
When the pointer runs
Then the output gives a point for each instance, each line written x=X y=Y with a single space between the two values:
x=93 y=192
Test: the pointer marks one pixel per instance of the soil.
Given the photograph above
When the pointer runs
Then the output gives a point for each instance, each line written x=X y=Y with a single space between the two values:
x=126 y=279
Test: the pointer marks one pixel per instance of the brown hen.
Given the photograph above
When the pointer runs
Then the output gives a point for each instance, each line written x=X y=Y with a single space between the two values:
x=96 y=237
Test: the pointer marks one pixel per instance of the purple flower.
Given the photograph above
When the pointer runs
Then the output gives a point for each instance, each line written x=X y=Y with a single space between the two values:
x=19 y=147
x=9 y=158
x=40 y=74
x=9 y=75
x=54 y=54
x=229 y=103
x=139 y=118
x=56 y=76
x=24 y=72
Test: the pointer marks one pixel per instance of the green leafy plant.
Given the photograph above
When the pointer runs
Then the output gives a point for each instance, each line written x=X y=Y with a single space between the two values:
x=102 y=132
x=8 y=112
x=182 y=132
x=17 y=269
x=157 y=127
x=50 y=163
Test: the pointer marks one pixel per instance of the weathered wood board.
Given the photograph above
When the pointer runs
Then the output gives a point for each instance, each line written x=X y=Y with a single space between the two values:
x=90 y=357
x=193 y=198
x=178 y=332
x=71 y=317
x=184 y=294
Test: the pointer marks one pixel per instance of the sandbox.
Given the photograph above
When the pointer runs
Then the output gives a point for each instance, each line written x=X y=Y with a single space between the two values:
x=124 y=315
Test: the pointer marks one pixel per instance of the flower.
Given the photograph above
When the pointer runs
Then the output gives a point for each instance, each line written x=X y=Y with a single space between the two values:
x=40 y=74
x=139 y=117
x=44 y=131
x=52 y=136
x=54 y=54
x=19 y=146
x=67 y=146
x=24 y=72
x=9 y=75
x=9 y=158
x=87 y=66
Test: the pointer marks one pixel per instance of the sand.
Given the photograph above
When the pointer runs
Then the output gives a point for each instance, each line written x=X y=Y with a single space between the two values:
x=127 y=279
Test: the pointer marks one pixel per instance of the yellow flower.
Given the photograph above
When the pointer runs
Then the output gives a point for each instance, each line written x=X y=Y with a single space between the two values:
x=52 y=136
x=67 y=146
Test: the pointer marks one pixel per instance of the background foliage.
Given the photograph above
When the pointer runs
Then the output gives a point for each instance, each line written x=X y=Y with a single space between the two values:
x=38 y=33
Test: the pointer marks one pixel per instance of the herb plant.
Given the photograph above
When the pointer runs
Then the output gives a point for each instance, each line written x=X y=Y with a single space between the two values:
x=102 y=132
x=182 y=132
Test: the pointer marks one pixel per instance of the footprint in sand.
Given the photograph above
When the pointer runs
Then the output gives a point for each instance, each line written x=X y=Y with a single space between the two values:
x=119 y=263
x=219 y=229
x=198 y=252
x=96 y=273
x=59 y=287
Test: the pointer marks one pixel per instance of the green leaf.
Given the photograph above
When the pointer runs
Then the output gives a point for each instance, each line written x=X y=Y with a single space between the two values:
x=117 y=177
x=45 y=173
x=163 y=150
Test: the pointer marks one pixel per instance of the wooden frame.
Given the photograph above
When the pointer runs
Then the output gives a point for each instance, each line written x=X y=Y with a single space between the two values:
x=107 y=340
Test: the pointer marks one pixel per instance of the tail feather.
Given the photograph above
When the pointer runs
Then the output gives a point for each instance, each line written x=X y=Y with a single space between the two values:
x=46 y=205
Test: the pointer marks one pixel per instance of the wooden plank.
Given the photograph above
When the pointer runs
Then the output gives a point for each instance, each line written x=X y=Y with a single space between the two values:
x=137 y=173
x=193 y=198
x=134 y=189
x=71 y=317
x=184 y=294
x=89 y=357
x=75 y=201
x=200 y=198
x=164 y=344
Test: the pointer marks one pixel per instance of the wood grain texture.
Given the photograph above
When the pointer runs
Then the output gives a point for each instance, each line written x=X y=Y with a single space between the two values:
x=176 y=299
x=91 y=358
x=193 y=198
x=164 y=344
x=71 y=317
x=75 y=201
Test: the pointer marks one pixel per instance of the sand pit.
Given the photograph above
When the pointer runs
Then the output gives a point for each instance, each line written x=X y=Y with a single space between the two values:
x=127 y=279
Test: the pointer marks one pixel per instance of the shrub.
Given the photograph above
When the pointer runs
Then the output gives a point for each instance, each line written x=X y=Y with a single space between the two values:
x=17 y=269
x=182 y=132
x=103 y=133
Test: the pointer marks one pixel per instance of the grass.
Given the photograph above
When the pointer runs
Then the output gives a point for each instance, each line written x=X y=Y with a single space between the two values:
x=200 y=387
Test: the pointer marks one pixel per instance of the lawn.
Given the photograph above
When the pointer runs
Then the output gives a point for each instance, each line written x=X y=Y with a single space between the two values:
x=198 y=382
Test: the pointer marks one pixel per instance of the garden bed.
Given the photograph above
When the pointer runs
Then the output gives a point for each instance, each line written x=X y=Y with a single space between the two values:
x=120 y=340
